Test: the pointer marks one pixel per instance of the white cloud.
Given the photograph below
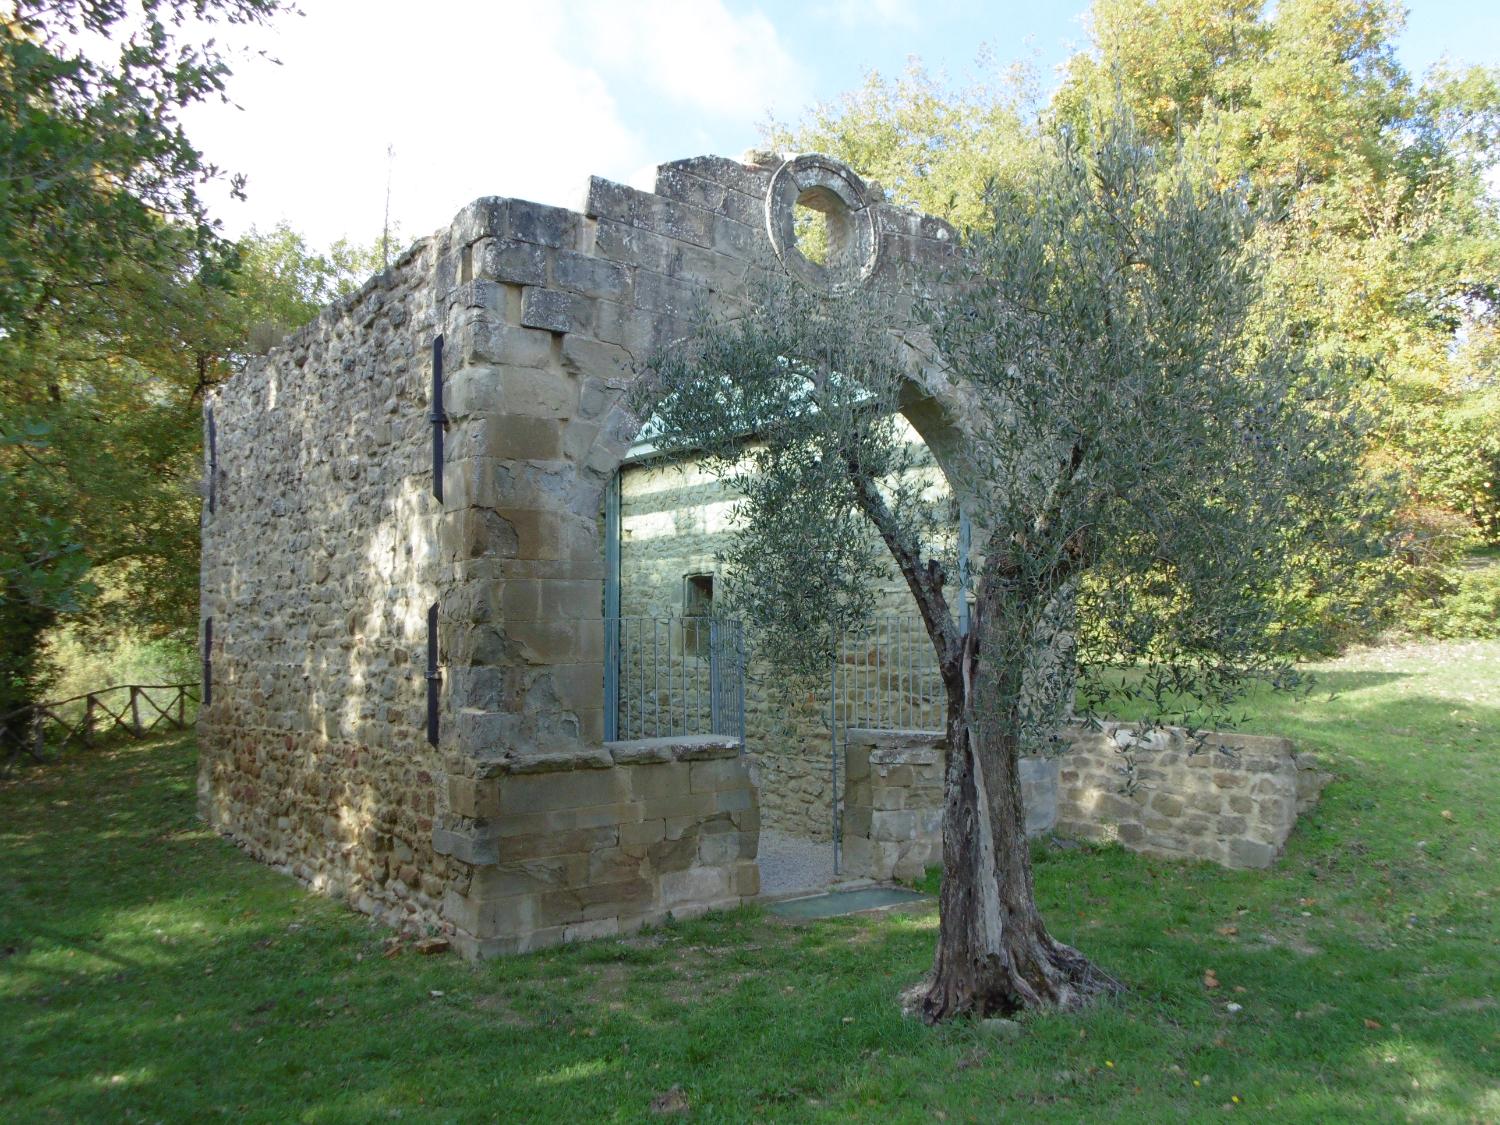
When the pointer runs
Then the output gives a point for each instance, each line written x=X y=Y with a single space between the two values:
x=476 y=100
x=698 y=53
x=880 y=13
x=482 y=98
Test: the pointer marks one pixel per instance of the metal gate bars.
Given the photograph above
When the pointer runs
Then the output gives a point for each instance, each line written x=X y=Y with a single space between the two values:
x=670 y=676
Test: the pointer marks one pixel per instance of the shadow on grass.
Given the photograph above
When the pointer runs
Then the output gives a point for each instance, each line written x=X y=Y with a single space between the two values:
x=1333 y=683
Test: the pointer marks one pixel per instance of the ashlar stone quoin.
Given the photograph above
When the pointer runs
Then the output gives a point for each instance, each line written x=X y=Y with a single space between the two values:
x=326 y=548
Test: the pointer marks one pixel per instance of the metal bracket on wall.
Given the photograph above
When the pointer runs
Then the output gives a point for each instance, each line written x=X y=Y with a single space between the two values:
x=438 y=417
x=213 y=462
x=434 y=676
x=208 y=661
x=612 y=609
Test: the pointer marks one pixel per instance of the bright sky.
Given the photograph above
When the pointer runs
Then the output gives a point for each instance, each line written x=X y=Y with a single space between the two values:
x=529 y=97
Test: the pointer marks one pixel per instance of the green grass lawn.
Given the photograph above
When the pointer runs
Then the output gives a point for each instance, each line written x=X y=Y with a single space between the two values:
x=150 y=971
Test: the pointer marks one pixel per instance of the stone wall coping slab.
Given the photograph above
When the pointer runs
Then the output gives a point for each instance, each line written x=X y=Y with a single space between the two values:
x=896 y=739
x=1230 y=741
x=640 y=751
x=675 y=748
x=590 y=758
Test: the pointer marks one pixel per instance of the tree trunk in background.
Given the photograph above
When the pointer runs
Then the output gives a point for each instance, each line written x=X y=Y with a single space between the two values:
x=994 y=953
x=21 y=629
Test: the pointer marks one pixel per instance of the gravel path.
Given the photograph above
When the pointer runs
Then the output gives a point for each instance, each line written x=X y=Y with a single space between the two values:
x=790 y=864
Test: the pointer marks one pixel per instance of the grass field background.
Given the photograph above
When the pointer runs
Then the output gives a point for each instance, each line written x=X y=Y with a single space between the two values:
x=150 y=971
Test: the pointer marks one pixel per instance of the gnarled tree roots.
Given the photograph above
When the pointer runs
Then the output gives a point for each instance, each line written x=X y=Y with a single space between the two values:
x=1043 y=976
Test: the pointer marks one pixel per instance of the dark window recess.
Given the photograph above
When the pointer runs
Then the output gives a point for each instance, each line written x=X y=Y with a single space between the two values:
x=213 y=462
x=208 y=661
x=438 y=417
x=434 y=677
x=698 y=595
x=697 y=601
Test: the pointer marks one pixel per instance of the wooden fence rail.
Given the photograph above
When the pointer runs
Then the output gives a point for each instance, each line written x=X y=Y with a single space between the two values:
x=31 y=730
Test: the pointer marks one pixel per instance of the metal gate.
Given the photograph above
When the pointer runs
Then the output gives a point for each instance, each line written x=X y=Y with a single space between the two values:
x=885 y=677
x=669 y=676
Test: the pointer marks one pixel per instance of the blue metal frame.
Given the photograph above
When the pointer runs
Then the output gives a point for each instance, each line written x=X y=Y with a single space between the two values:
x=612 y=609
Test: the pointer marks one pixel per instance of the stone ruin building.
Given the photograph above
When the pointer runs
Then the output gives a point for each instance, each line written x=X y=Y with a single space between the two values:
x=439 y=569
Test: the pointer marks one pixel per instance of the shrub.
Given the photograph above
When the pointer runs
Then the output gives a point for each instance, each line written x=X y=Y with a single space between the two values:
x=1469 y=608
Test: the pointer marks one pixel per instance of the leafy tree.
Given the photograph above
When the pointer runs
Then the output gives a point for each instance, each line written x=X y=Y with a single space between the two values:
x=1386 y=244
x=930 y=147
x=105 y=490
x=281 y=282
x=111 y=274
x=1124 y=441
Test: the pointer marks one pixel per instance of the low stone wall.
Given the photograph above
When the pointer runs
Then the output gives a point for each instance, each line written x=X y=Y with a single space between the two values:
x=1233 y=799
x=893 y=801
x=597 y=842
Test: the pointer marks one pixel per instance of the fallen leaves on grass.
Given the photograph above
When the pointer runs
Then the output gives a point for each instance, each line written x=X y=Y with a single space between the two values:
x=672 y=1101
x=970 y=1059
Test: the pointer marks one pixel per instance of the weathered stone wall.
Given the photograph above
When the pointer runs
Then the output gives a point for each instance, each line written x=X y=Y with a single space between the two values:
x=326 y=546
x=601 y=842
x=673 y=522
x=893 y=811
x=1232 y=800
x=319 y=562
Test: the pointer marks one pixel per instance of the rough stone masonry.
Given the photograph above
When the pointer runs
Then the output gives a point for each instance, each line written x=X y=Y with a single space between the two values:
x=326 y=547
x=402 y=590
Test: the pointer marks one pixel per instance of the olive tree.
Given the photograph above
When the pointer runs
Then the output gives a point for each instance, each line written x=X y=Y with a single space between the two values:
x=1139 y=470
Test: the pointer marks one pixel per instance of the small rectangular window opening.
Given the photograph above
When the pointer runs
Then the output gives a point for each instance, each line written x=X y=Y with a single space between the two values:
x=697 y=602
x=698 y=595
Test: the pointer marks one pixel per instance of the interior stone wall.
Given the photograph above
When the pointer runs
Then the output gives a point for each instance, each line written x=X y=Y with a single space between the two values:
x=674 y=522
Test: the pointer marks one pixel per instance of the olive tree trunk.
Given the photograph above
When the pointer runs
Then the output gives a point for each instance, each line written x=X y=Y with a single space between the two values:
x=994 y=953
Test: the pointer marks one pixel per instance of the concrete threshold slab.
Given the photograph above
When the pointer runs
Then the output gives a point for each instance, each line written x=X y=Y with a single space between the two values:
x=833 y=904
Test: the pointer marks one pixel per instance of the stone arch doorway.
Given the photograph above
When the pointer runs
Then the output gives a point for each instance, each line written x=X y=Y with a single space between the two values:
x=622 y=280
x=658 y=539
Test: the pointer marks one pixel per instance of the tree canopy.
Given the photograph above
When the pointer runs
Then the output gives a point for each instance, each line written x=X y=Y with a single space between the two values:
x=1386 y=241
x=115 y=300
